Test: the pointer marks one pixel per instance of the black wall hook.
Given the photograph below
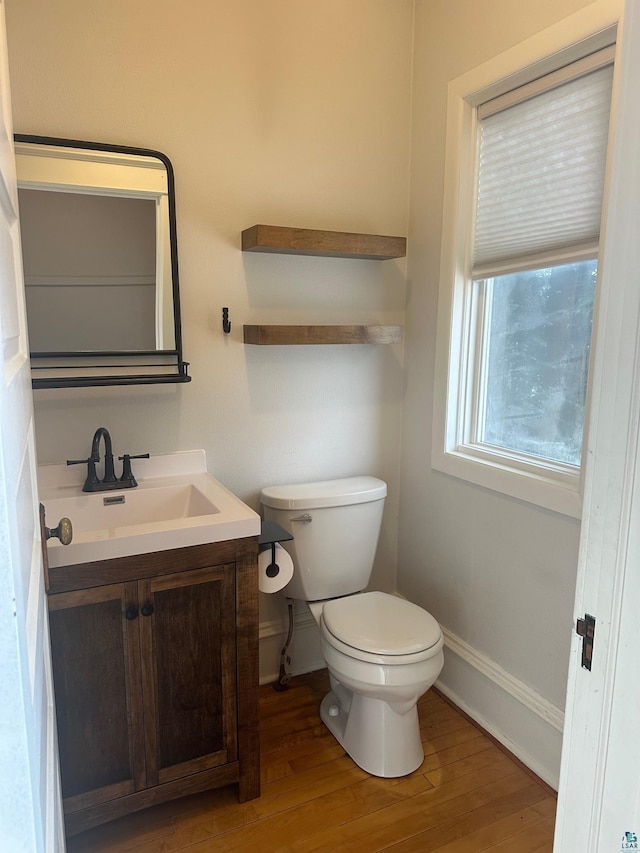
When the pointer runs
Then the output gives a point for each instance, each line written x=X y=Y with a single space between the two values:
x=226 y=325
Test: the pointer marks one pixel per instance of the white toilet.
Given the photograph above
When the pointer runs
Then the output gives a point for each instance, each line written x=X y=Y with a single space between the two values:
x=382 y=652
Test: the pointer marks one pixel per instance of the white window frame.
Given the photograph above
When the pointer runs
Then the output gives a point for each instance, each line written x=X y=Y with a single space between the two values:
x=547 y=484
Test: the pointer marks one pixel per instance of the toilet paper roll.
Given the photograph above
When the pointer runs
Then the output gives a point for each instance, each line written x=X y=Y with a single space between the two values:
x=274 y=576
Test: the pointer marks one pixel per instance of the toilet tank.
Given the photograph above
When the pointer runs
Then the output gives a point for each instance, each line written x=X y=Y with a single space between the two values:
x=335 y=525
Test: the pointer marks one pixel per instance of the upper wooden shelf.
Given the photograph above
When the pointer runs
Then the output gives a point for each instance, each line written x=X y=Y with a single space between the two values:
x=331 y=244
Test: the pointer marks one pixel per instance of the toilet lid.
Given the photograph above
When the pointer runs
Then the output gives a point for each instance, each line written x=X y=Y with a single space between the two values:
x=381 y=623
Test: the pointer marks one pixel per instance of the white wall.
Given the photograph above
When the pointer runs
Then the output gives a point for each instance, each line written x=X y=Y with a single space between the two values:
x=497 y=573
x=271 y=111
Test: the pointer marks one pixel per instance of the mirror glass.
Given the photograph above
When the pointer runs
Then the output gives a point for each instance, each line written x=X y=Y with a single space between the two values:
x=100 y=263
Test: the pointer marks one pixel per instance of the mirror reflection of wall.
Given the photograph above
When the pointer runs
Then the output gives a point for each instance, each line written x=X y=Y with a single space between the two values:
x=90 y=271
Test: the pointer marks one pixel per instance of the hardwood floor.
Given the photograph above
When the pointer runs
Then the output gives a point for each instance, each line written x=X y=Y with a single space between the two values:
x=468 y=796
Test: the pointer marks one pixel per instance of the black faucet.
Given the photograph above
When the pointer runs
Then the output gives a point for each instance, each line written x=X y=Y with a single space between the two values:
x=109 y=481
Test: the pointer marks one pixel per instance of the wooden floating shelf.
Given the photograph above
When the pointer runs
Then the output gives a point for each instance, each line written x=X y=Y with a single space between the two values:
x=298 y=335
x=331 y=244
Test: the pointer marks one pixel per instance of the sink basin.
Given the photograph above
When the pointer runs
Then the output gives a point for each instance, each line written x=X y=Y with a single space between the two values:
x=168 y=509
x=130 y=507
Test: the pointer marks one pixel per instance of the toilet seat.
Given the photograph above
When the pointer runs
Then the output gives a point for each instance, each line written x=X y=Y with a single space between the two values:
x=380 y=628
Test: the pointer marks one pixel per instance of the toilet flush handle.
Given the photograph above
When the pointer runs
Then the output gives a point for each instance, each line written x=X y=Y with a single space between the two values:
x=306 y=518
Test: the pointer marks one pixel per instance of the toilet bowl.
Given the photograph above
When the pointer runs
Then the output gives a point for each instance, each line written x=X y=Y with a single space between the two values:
x=382 y=652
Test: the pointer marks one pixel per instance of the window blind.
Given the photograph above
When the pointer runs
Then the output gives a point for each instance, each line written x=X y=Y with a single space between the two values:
x=541 y=174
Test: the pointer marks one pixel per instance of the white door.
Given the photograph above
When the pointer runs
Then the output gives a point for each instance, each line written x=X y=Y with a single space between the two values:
x=30 y=804
x=599 y=797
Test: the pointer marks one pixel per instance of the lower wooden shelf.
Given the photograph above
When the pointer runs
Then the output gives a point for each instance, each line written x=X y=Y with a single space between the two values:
x=299 y=335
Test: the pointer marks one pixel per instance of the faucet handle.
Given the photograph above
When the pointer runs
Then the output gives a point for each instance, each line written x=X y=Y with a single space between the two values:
x=92 y=477
x=127 y=473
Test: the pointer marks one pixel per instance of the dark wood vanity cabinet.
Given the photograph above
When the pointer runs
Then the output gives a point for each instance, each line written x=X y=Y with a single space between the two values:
x=155 y=675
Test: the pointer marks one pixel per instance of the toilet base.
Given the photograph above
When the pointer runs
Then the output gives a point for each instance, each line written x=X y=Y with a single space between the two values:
x=379 y=739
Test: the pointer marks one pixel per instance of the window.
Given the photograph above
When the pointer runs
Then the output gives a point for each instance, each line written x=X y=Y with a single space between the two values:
x=533 y=369
x=522 y=281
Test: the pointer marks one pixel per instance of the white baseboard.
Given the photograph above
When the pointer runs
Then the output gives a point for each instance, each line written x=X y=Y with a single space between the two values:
x=526 y=723
x=305 y=652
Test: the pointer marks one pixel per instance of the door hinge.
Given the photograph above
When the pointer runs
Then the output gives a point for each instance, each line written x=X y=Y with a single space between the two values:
x=586 y=628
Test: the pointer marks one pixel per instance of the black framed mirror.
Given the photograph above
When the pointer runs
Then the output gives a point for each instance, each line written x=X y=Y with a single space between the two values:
x=99 y=245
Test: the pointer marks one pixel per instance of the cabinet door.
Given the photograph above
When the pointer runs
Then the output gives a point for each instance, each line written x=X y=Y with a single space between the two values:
x=96 y=674
x=187 y=629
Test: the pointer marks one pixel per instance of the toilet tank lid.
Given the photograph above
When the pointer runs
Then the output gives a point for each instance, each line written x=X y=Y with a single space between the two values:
x=326 y=493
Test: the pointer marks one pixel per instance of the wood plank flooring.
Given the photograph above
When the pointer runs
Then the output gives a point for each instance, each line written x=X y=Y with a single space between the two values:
x=468 y=796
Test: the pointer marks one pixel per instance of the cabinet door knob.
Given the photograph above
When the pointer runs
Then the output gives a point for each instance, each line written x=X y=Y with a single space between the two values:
x=131 y=613
x=146 y=609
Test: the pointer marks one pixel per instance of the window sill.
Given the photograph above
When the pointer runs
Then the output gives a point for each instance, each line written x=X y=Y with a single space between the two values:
x=546 y=489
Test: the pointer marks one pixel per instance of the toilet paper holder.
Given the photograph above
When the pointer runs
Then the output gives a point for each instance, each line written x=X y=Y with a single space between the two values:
x=270 y=534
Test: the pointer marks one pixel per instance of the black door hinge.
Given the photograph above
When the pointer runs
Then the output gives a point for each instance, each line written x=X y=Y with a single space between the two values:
x=586 y=628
